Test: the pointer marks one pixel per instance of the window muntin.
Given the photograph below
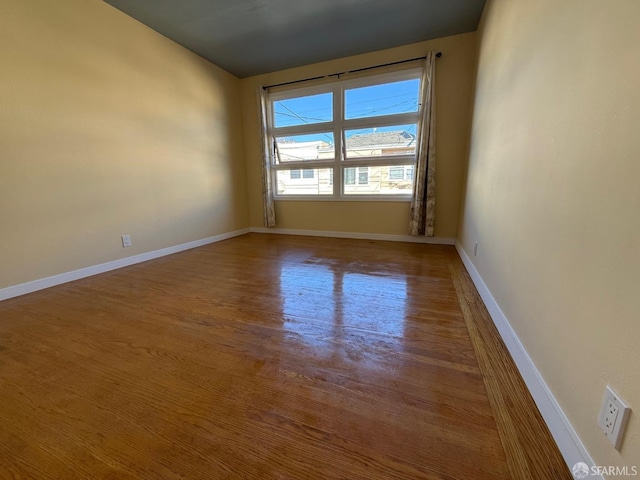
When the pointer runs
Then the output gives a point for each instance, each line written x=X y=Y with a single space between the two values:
x=357 y=150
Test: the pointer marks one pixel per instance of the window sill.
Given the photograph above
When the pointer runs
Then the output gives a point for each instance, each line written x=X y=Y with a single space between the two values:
x=344 y=198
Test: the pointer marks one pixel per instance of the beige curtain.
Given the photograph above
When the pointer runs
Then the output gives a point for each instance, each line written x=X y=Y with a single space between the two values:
x=267 y=161
x=423 y=201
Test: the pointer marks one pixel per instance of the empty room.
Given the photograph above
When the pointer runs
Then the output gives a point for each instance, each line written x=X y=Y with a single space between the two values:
x=298 y=239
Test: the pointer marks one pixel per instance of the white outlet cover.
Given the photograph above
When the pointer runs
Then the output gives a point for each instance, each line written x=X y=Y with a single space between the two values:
x=126 y=240
x=613 y=423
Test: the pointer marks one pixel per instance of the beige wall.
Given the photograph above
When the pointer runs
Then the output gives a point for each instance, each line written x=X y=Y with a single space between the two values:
x=553 y=196
x=107 y=128
x=454 y=85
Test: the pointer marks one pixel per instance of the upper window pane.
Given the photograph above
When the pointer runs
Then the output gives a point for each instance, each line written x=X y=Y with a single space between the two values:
x=385 y=99
x=303 y=110
x=381 y=142
x=304 y=148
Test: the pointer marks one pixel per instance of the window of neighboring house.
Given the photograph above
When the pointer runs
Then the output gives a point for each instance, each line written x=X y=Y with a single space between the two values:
x=396 y=173
x=363 y=175
x=408 y=172
x=402 y=172
x=298 y=174
x=346 y=138
x=359 y=173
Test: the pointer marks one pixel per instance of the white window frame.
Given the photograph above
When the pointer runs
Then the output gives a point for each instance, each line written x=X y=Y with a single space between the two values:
x=338 y=126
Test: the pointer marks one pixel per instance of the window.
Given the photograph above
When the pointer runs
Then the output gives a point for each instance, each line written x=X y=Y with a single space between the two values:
x=346 y=138
x=350 y=176
x=359 y=173
x=363 y=175
x=408 y=172
x=396 y=173
x=403 y=172
x=298 y=174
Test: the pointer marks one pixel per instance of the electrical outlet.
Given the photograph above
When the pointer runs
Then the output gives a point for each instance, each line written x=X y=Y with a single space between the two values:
x=610 y=415
x=126 y=240
x=613 y=417
x=475 y=249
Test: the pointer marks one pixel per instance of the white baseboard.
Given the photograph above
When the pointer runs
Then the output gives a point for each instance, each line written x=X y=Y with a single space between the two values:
x=356 y=235
x=35 y=285
x=570 y=445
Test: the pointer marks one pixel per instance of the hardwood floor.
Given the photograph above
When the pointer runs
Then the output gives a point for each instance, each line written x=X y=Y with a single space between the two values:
x=267 y=357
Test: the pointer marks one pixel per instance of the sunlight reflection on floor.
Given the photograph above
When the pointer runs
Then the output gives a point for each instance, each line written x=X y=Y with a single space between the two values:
x=332 y=310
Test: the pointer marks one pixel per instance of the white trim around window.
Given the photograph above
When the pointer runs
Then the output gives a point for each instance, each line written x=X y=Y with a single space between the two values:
x=335 y=146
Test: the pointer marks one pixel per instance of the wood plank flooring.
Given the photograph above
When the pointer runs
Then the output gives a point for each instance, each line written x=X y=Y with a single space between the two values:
x=267 y=357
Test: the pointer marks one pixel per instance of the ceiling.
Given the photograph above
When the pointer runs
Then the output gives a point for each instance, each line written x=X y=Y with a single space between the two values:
x=250 y=37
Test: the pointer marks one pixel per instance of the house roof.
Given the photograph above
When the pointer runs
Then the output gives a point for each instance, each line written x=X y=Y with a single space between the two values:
x=398 y=138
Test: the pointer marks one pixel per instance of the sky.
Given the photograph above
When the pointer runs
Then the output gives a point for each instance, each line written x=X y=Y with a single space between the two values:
x=372 y=101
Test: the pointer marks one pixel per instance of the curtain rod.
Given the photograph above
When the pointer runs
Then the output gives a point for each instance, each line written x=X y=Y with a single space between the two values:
x=439 y=54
